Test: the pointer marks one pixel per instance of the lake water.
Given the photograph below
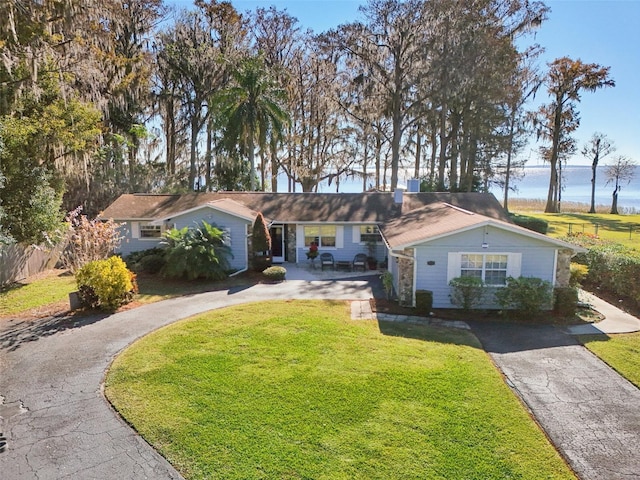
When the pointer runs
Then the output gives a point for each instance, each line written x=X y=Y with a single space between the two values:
x=576 y=186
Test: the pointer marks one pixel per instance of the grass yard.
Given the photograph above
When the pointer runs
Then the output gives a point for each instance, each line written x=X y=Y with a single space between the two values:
x=623 y=229
x=50 y=287
x=621 y=352
x=299 y=390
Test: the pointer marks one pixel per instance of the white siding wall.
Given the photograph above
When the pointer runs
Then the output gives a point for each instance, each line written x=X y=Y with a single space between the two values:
x=537 y=258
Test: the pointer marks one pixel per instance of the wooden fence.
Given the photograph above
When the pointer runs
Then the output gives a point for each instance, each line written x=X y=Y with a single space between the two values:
x=18 y=262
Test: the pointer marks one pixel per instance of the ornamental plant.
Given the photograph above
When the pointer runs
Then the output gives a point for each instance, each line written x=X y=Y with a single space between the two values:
x=261 y=244
x=196 y=253
x=106 y=284
x=528 y=296
x=89 y=240
x=467 y=292
x=275 y=273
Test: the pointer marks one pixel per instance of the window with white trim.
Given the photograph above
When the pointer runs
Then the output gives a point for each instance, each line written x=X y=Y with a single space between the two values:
x=226 y=237
x=370 y=234
x=492 y=268
x=322 y=235
x=148 y=230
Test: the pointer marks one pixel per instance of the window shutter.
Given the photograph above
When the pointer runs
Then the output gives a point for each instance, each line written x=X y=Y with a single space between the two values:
x=356 y=233
x=340 y=237
x=453 y=265
x=514 y=265
x=300 y=236
x=135 y=230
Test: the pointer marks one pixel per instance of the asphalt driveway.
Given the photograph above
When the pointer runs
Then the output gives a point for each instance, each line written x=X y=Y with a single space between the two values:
x=58 y=424
x=590 y=413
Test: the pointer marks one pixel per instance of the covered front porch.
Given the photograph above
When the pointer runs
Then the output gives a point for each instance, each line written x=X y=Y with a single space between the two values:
x=310 y=272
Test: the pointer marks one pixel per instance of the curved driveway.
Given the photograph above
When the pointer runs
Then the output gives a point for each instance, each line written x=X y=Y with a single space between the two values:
x=52 y=411
x=58 y=424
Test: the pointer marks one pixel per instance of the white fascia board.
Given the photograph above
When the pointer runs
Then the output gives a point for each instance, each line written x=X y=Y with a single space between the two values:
x=502 y=226
x=200 y=207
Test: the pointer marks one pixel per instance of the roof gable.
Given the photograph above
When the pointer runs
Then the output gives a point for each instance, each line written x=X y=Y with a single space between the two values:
x=224 y=205
x=437 y=221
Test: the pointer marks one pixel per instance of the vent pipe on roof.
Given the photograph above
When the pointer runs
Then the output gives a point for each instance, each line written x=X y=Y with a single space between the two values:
x=397 y=195
x=413 y=185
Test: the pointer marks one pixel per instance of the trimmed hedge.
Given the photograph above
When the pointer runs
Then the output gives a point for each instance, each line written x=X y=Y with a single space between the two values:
x=527 y=296
x=531 y=223
x=424 y=301
x=106 y=284
x=612 y=267
x=275 y=273
x=565 y=301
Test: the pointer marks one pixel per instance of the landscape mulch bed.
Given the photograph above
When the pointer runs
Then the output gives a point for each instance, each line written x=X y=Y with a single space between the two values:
x=382 y=305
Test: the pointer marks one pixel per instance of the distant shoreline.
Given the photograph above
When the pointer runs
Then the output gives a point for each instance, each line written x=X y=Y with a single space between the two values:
x=538 y=205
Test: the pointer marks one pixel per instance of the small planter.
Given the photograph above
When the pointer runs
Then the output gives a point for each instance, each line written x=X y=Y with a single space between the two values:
x=74 y=301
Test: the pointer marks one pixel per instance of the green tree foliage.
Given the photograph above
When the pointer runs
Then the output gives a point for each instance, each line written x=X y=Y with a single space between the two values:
x=556 y=121
x=106 y=284
x=34 y=148
x=252 y=112
x=196 y=253
x=261 y=244
x=32 y=206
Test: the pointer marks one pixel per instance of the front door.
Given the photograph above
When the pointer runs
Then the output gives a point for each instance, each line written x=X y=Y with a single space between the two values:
x=277 y=243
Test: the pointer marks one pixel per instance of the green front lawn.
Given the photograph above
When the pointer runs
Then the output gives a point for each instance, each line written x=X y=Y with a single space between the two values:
x=45 y=289
x=299 y=390
x=621 y=352
x=623 y=229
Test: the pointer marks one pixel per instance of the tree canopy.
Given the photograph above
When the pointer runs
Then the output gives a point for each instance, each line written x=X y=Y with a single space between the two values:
x=103 y=98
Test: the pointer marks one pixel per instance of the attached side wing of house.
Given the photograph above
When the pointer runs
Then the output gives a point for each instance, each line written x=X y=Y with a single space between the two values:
x=432 y=245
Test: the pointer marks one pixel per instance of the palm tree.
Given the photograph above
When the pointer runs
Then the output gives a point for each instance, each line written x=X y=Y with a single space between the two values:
x=251 y=111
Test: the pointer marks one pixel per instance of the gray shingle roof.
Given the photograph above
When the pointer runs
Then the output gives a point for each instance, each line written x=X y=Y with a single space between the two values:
x=420 y=216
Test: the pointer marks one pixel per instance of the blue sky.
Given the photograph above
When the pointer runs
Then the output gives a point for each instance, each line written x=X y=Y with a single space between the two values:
x=606 y=32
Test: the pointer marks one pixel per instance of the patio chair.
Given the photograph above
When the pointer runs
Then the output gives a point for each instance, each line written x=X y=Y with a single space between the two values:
x=359 y=261
x=326 y=260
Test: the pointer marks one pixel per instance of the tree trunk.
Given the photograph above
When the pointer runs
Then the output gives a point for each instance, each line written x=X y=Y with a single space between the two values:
x=194 y=150
x=507 y=175
x=208 y=157
x=442 y=165
x=552 y=197
x=594 y=167
x=274 y=169
x=416 y=170
x=378 y=159
x=395 y=146
x=252 y=163
x=614 y=201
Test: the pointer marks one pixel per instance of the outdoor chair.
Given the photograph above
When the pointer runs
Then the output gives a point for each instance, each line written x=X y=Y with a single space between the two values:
x=326 y=260
x=359 y=261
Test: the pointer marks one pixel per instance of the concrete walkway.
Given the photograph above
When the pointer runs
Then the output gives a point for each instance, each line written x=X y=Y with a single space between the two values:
x=615 y=321
x=59 y=426
x=52 y=411
x=590 y=413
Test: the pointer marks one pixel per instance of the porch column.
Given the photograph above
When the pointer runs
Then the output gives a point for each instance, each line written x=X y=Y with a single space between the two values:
x=405 y=278
x=563 y=267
